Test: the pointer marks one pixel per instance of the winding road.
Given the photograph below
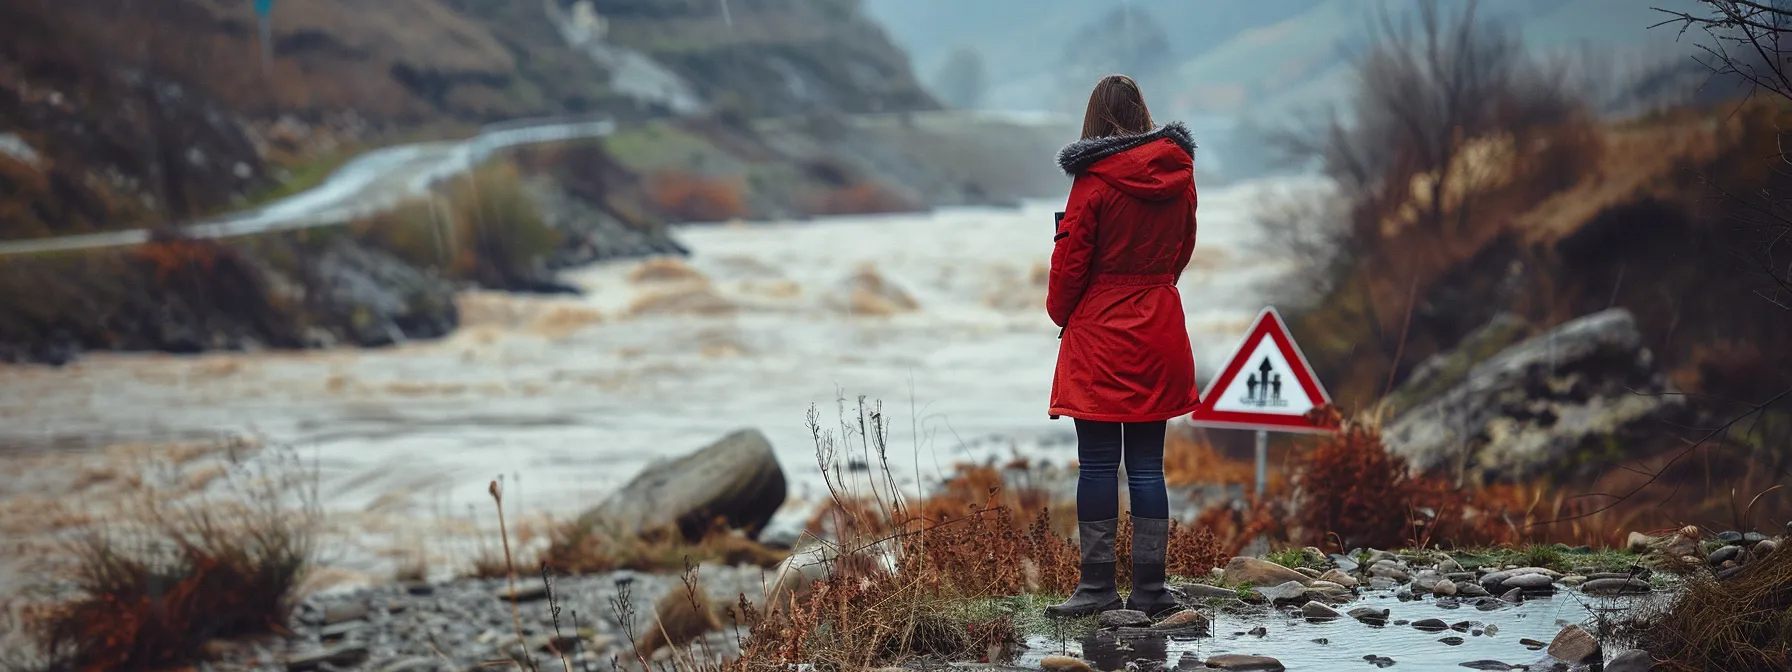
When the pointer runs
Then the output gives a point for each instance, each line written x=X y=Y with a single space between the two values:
x=371 y=183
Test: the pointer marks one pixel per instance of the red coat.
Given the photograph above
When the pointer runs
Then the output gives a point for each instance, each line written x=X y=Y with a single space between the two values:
x=1127 y=233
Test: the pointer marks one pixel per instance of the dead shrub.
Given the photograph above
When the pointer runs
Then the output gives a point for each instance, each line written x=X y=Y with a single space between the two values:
x=698 y=198
x=1353 y=494
x=150 y=593
x=583 y=549
x=1740 y=623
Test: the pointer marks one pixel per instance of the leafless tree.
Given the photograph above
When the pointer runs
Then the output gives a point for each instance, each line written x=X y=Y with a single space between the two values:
x=1751 y=40
x=1429 y=85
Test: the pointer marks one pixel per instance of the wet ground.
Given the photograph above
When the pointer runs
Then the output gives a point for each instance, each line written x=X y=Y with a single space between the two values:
x=1346 y=644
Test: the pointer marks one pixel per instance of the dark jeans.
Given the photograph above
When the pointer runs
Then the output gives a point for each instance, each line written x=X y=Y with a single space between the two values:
x=1100 y=447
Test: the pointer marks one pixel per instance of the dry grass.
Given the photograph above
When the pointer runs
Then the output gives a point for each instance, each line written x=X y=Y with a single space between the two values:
x=1743 y=623
x=183 y=570
x=580 y=549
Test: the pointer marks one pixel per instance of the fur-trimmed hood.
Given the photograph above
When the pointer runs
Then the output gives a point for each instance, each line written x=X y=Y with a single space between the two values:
x=1078 y=156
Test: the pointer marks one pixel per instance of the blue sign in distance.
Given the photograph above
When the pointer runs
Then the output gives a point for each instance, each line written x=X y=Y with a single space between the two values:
x=262 y=7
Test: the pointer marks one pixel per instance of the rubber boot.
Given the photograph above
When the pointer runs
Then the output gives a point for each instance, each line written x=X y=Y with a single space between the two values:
x=1095 y=590
x=1150 y=538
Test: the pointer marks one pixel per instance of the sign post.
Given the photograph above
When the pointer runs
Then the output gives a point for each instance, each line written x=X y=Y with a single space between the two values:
x=1266 y=385
x=263 y=8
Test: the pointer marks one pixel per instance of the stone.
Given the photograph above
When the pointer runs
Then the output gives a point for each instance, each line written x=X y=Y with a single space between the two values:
x=1242 y=663
x=1730 y=537
x=1528 y=408
x=1370 y=615
x=1527 y=582
x=1392 y=573
x=1514 y=596
x=1496 y=578
x=1471 y=589
x=338 y=656
x=1201 y=591
x=1576 y=646
x=525 y=592
x=1308 y=572
x=411 y=664
x=1259 y=631
x=1242 y=570
x=1382 y=583
x=1449 y=566
x=1287 y=592
x=737 y=478
x=1427 y=579
x=1753 y=538
x=1340 y=578
x=1763 y=549
x=1634 y=660
x=1314 y=611
x=1638 y=542
x=1531 y=644
x=1444 y=588
x=1064 y=664
x=339 y=631
x=342 y=612
x=1573 y=580
x=1124 y=618
x=1431 y=625
x=419 y=588
x=1615 y=587
x=1490 y=665
x=1723 y=555
x=1344 y=563
x=1185 y=619
x=1452 y=640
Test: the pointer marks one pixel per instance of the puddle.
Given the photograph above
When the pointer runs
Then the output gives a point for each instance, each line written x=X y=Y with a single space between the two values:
x=1345 y=643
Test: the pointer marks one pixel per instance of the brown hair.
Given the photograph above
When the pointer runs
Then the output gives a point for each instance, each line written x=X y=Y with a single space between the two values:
x=1116 y=107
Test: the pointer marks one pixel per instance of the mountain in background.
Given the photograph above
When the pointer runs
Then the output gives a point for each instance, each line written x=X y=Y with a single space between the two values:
x=1226 y=58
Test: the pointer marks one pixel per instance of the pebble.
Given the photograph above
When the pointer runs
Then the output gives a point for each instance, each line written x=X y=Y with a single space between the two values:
x=1753 y=538
x=1725 y=554
x=1490 y=665
x=1431 y=625
x=1444 y=588
x=1124 y=618
x=1340 y=578
x=1064 y=664
x=1514 y=596
x=1187 y=618
x=1379 y=661
x=1318 y=612
x=1201 y=591
x=339 y=656
x=1762 y=549
x=1242 y=663
x=1370 y=615
x=342 y=612
x=1527 y=582
x=1616 y=586
x=1576 y=646
x=1453 y=640
x=1471 y=589
x=1634 y=660
x=1259 y=631
x=1532 y=644
x=1730 y=537
x=1287 y=592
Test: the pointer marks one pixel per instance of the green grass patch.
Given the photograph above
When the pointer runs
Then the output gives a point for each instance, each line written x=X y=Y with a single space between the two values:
x=1295 y=558
x=1558 y=557
x=1026 y=612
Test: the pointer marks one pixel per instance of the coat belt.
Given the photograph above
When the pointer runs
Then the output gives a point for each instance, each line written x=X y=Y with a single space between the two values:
x=1132 y=279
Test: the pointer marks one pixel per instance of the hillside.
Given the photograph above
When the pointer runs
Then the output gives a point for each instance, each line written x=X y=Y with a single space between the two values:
x=137 y=116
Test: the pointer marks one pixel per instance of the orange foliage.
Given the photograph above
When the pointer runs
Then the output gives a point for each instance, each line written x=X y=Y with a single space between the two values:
x=180 y=256
x=1189 y=459
x=691 y=197
x=860 y=198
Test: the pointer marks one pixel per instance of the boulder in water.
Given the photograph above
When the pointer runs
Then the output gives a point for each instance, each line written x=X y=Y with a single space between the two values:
x=736 y=479
x=868 y=293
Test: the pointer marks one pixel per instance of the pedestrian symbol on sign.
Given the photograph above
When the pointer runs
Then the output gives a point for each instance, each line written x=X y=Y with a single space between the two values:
x=1264 y=388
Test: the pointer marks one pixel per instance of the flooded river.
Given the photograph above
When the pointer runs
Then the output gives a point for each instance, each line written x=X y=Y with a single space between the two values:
x=570 y=396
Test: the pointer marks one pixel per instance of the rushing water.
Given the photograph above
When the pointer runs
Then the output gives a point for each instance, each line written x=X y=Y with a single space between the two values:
x=571 y=396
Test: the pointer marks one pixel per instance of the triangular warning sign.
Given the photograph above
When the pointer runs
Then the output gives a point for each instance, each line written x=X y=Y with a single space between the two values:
x=1265 y=384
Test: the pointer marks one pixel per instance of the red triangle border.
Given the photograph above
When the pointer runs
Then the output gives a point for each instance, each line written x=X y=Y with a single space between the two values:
x=1269 y=325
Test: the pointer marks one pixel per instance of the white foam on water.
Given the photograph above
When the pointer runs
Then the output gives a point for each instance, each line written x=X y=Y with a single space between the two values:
x=574 y=395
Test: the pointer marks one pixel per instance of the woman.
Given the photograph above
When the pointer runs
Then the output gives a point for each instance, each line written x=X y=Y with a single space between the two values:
x=1124 y=363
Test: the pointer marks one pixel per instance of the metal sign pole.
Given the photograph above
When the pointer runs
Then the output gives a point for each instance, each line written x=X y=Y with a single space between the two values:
x=1262 y=461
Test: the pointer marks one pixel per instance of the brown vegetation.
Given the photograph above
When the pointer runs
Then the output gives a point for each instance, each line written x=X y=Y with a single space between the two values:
x=1740 y=623
x=697 y=198
x=184 y=570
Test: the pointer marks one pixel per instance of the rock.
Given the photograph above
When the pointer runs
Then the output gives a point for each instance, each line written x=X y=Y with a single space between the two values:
x=1634 y=660
x=1576 y=646
x=339 y=656
x=866 y=292
x=1723 y=555
x=379 y=299
x=411 y=664
x=1445 y=370
x=339 y=631
x=1615 y=587
x=1761 y=550
x=1638 y=542
x=1753 y=538
x=1242 y=663
x=1427 y=580
x=1287 y=592
x=1382 y=583
x=1379 y=661
x=1339 y=578
x=1531 y=644
x=1314 y=611
x=1449 y=566
x=1242 y=570
x=1370 y=615
x=1452 y=640
x=736 y=478
x=1391 y=573
x=1344 y=563
x=1308 y=572
x=419 y=588
x=1187 y=618
x=1496 y=578
x=1259 y=631
x=1431 y=625
x=1731 y=537
x=1064 y=664
x=1124 y=618
x=343 y=612
x=1527 y=582
x=1492 y=629
x=1490 y=665
x=1534 y=405
x=1201 y=591
x=1470 y=589
x=525 y=592
x=1444 y=588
